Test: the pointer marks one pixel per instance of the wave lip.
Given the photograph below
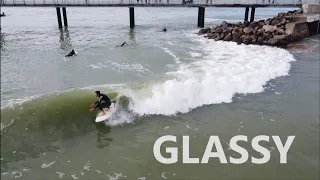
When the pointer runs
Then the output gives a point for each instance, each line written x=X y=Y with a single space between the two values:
x=227 y=69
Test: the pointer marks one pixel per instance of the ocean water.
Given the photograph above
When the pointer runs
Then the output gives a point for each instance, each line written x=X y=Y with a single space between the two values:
x=167 y=83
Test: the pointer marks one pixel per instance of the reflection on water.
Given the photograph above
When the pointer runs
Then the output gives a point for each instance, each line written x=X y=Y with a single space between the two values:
x=65 y=40
x=102 y=139
x=2 y=40
x=132 y=35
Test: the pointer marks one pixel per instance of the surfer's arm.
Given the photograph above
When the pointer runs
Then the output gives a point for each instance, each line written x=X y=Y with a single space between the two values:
x=97 y=103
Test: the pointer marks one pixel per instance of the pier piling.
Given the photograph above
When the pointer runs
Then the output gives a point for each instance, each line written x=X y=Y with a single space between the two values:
x=131 y=12
x=59 y=17
x=201 y=12
x=253 y=9
x=65 y=19
x=246 y=14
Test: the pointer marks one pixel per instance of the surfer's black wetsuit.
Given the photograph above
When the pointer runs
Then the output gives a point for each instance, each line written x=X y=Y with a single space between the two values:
x=105 y=104
x=71 y=53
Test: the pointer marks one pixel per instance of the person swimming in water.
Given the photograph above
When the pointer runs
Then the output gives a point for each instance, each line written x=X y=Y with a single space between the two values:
x=72 y=53
x=164 y=29
x=123 y=44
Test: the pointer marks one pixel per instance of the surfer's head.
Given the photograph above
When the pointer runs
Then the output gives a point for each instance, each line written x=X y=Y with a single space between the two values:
x=97 y=93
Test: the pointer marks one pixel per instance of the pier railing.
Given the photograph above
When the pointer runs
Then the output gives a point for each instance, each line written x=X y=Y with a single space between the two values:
x=154 y=2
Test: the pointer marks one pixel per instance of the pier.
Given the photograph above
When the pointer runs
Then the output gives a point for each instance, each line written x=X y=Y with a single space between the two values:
x=131 y=4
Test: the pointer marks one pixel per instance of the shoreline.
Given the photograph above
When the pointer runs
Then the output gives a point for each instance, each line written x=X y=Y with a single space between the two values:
x=279 y=31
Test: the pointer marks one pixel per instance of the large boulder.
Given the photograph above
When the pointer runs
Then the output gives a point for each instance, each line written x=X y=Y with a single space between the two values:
x=254 y=24
x=246 y=24
x=299 y=11
x=218 y=38
x=239 y=24
x=218 y=30
x=269 y=28
x=268 y=21
x=273 y=42
x=222 y=35
x=298 y=30
x=261 y=23
x=274 y=22
x=260 y=32
x=210 y=36
x=280 y=37
x=281 y=14
x=236 y=32
x=228 y=37
x=226 y=31
x=224 y=25
x=260 y=40
x=204 y=31
x=248 y=30
x=247 y=40
x=279 y=31
x=238 y=41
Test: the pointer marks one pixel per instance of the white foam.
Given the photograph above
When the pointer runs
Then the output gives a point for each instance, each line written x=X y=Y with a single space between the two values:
x=98 y=171
x=121 y=67
x=163 y=175
x=10 y=103
x=176 y=58
x=60 y=174
x=4 y=126
x=74 y=176
x=87 y=166
x=44 y=165
x=118 y=175
x=17 y=174
x=194 y=54
x=226 y=69
x=120 y=117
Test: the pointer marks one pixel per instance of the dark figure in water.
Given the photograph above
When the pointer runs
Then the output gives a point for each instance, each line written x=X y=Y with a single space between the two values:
x=2 y=14
x=164 y=29
x=123 y=44
x=99 y=104
x=72 y=53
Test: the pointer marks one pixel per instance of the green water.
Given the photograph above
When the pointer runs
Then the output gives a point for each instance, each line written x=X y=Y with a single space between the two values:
x=54 y=137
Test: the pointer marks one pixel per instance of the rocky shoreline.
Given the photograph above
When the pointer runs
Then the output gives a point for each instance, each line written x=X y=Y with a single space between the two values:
x=277 y=31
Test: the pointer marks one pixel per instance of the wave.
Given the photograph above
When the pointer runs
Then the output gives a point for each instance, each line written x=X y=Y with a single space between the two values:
x=225 y=69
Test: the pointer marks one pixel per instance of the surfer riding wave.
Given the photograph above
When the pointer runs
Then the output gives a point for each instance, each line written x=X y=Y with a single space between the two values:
x=99 y=104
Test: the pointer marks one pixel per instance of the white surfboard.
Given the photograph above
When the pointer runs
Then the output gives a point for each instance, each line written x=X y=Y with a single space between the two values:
x=108 y=112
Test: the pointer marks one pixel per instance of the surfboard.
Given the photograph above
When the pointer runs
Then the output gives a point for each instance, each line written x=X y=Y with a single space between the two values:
x=108 y=112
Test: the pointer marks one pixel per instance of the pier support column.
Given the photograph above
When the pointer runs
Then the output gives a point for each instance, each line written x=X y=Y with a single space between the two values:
x=201 y=17
x=253 y=9
x=131 y=12
x=59 y=17
x=65 y=20
x=246 y=14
